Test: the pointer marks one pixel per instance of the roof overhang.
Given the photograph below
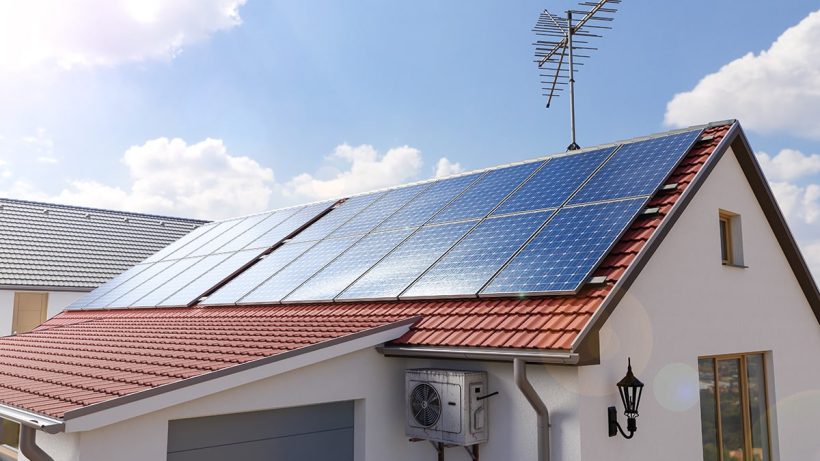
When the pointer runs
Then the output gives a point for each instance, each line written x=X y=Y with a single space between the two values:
x=34 y=420
x=482 y=353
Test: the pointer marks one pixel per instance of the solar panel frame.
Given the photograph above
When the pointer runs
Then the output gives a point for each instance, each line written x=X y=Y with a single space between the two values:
x=138 y=292
x=638 y=204
x=155 y=268
x=171 y=286
x=338 y=216
x=393 y=202
x=293 y=224
x=218 y=229
x=216 y=244
x=179 y=243
x=206 y=282
x=89 y=298
x=272 y=221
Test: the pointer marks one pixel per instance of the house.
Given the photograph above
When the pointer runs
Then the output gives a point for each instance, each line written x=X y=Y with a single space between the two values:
x=50 y=255
x=465 y=309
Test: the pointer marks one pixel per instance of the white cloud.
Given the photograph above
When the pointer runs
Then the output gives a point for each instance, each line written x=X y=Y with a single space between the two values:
x=776 y=90
x=366 y=170
x=800 y=204
x=444 y=168
x=106 y=32
x=788 y=165
x=42 y=144
x=812 y=254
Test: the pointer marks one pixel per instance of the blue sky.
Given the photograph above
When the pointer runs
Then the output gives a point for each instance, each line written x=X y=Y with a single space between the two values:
x=211 y=108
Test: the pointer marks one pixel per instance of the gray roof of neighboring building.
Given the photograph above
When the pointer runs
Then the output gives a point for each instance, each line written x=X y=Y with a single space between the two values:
x=60 y=246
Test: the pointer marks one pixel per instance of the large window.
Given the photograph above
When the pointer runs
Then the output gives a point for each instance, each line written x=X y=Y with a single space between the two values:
x=733 y=408
x=10 y=439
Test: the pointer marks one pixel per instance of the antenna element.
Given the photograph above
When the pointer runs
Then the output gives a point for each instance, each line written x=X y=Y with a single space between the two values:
x=559 y=45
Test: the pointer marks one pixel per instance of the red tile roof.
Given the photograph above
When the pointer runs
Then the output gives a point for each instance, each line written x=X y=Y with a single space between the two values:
x=80 y=358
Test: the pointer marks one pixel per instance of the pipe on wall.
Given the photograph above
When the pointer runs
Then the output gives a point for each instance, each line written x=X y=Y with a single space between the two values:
x=541 y=410
x=28 y=445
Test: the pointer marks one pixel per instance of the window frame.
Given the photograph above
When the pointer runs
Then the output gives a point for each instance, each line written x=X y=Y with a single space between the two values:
x=9 y=452
x=731 y=237
x=744 y=400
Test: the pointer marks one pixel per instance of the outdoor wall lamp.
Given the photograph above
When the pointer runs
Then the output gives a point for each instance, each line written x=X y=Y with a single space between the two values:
x=630 y=389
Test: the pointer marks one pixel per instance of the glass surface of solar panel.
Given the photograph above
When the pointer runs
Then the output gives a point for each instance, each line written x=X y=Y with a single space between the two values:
x=486 y=193
x=118 y=280
x=297 y=272
x=429 y=202
x=135 y=281
x=637 y=168
x=202 y=284
x=564 y=253
x=216 y=244
x=182 y=279
x=193 y=245
x=345 y=269
x=399 y=269
x=373 y=216
x=467 y=267
x=269 y=223
x=252 y=277
x=553 y=184
x=290 y=225
x=154 y=282
x=337 y=216
x=179 y=243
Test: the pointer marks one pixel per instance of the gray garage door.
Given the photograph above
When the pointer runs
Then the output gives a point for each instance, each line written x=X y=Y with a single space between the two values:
x=317 y=433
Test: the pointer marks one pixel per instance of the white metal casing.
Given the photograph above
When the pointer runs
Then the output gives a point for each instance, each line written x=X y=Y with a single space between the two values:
x=463 y=419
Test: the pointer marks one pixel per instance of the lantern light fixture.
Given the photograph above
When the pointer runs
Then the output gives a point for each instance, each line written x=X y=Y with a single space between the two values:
x=630 y=389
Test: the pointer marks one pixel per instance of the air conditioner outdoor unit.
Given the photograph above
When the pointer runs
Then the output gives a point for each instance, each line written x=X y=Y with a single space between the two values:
x=446 y=406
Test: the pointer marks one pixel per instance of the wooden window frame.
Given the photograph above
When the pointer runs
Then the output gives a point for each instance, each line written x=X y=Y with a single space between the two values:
x=726 y=237
x=731 y=232
x=744 y=401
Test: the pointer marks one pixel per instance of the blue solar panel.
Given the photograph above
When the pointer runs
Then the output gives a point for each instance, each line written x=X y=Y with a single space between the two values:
x=216 y=244
x=130 y=284
x=394 y=273
x=426 y=204
x=251 y=278
x=202 y=284
x=345 y=269
x=338 y=216
x=467 y=267
x=290 y=225
x=297 y=272
x=271 y=221
x=564 y=253
x=486 y=193
x=157 y=280
x=175 y=284
x=213 y=233
x=393 y=200
x=553 y=184
x=184 y=240
x=637 y=169
x=118 y=280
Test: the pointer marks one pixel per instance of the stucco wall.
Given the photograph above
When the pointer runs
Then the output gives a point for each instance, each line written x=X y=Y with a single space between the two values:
x=57 y=301
x=686 y=304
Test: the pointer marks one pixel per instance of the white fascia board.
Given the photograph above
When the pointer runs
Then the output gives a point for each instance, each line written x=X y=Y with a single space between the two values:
x=132 y=406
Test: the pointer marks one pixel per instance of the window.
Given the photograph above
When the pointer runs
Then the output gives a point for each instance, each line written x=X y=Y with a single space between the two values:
x=734 y=410
x=731 y=243
x=10 y=440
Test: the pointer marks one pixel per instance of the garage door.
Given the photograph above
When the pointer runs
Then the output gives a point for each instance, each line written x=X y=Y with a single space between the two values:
x=317 y=432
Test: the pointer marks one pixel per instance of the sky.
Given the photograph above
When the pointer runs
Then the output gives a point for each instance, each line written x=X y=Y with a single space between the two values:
x=218 y=108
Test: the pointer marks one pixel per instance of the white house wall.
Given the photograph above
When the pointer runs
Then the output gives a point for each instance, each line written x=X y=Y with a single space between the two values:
x=57 y=301
x=686 y=304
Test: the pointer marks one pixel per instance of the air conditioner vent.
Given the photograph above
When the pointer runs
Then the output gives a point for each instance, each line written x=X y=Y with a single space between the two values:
x=425 y=404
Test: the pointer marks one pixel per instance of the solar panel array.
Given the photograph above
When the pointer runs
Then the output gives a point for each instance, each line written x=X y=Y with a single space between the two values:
x=538 y=227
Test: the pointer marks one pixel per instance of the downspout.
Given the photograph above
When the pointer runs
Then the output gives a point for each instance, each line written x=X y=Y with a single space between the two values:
x=541 y=410
x=28 y=445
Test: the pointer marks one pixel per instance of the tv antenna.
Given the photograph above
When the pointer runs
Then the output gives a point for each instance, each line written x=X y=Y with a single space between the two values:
x=556 y=51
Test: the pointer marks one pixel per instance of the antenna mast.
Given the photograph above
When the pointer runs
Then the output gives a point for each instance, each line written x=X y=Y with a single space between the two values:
x=559 y=45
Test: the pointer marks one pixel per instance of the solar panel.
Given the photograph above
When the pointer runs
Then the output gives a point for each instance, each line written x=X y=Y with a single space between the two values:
x=135 y=281
x=271 y=221
x=338 y=216
x=553 y=184
x=290 y=225
x=118 y=280
x=426 y=204
x=486 y=193
x=213 y=233
x=561 y=257
x=637 y=169
x=179 y=243
x=175 y=284
x=194 y=290
x=467 y=267
x=394 y=273
x=345 y=269
x=216 y=244
x=151 y=284
x=379 y=211
x=297 y=272
x=252 y=277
